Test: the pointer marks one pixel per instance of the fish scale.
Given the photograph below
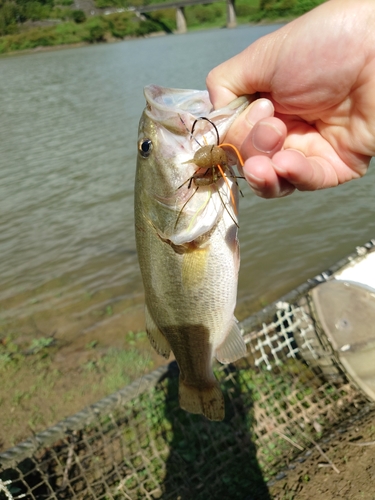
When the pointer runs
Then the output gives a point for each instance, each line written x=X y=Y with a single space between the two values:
x=187 y=244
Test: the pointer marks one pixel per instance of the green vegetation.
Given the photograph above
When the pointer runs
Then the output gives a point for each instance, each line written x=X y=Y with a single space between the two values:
x=159 y=436
x=78 y=16
x=26 y=24
x=94 y=29
x=36 y=392
x=14 y=13
x=273 y=9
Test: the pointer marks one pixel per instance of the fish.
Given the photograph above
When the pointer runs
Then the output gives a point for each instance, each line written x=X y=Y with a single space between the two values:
x=187 y=240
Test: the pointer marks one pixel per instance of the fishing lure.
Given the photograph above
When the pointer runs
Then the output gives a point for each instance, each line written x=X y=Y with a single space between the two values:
x=212 y=163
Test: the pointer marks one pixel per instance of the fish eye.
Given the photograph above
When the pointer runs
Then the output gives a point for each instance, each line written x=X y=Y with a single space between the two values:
x=145 y=147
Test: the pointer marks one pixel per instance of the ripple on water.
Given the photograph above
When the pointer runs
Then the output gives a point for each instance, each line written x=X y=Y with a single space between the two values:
x=66 y=185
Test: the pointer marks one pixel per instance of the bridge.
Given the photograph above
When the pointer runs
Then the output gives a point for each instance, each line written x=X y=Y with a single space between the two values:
x=179 y=5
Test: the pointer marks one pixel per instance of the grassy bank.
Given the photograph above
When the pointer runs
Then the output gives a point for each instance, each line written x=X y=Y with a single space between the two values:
x=37 y=392
x=25 y=24
x=93 y=30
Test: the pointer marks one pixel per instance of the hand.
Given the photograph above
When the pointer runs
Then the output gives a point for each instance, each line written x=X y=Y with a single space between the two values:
x=314 y=127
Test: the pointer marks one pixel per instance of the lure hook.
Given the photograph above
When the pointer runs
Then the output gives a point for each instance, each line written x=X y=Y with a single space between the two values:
x=209 y=121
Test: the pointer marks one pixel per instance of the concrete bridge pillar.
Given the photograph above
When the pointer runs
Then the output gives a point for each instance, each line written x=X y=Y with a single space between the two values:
x=180 y=20
x=231 y=14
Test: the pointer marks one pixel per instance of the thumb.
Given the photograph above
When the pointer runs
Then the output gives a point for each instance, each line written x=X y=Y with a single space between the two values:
x=249 y=72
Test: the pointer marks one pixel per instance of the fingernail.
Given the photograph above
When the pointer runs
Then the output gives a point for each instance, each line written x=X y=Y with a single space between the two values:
x=266 y=137
x=280 y=170
x=260 y=109
x=255 y=182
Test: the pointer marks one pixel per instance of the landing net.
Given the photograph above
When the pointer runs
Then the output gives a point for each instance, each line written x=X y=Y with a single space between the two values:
x=289 y=393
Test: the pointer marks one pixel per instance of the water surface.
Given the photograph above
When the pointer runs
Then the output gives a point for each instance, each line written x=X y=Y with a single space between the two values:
x=68 y=151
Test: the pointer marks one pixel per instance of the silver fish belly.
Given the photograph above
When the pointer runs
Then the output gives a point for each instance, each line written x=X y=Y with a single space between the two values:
x=186 y=234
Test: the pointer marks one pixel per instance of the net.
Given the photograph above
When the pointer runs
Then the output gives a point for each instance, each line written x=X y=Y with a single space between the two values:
x=286 y=395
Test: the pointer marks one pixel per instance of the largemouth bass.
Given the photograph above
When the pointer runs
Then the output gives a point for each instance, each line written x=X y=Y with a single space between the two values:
x=186 y=233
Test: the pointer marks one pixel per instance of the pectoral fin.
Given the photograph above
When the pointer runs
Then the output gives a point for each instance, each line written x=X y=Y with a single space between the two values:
x=156 y=338
x=233 y=346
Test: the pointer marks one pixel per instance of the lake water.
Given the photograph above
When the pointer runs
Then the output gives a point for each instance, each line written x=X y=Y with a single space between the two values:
x=67 y=162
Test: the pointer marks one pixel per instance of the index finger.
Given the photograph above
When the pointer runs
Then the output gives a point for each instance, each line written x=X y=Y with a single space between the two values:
x=225 y=82
x=249 y=72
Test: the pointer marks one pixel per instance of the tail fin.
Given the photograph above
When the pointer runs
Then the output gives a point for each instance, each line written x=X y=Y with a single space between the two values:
x=209 y=401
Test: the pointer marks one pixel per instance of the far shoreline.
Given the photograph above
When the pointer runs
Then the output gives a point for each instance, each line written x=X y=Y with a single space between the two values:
x=156 y=34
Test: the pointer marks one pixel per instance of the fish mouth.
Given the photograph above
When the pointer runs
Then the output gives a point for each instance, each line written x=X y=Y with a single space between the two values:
x=172 y=107
x=177 y=109
x=169 y=118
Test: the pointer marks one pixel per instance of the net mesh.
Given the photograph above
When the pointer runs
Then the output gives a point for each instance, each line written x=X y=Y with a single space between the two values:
x=287 y=394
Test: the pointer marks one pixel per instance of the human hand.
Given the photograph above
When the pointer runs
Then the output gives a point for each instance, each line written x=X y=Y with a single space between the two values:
x=318 y=72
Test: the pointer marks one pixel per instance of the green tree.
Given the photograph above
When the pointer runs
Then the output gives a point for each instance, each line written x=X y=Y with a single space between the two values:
x=279 y=8
x=10 y=14
x=42 y=2
x=78 y=16
x=96 y=29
